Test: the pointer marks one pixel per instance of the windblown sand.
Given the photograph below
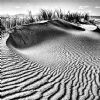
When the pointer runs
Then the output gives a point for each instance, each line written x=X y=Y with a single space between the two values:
x=51 y=61
x=60 y=49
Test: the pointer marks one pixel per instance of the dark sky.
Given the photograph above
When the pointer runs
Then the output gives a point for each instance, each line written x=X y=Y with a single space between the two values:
x=22 y=6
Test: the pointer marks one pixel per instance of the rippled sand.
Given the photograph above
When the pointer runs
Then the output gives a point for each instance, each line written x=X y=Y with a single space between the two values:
x=62 y=66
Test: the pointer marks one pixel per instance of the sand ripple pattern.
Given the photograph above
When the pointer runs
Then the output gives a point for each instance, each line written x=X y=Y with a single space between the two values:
x=21 y=79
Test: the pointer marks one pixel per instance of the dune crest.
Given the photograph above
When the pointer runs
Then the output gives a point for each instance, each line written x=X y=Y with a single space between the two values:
x=55 y=41
x=27 y=35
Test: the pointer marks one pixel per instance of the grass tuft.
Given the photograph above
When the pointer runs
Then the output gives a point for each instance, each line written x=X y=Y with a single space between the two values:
x=9 y=21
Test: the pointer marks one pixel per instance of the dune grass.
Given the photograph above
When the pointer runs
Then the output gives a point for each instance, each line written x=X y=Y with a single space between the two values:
x=9 y=22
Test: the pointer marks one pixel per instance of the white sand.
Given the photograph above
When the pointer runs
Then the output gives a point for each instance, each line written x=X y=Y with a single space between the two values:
x=54 y=51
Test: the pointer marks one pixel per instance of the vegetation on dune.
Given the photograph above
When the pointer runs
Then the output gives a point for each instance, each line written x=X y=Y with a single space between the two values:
x=9 y=21
x=45 y=15
x=71 y=17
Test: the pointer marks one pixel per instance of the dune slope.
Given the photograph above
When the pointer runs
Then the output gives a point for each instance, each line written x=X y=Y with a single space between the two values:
x=51 y=42
x=28 y=35
x=64 y=64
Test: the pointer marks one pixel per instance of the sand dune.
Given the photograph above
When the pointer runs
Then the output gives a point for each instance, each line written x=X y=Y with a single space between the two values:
x=63 y=65
x=28 y=35
x=50 y=42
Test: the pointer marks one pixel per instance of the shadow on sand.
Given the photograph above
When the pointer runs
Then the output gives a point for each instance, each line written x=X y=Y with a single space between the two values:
x=28 y=35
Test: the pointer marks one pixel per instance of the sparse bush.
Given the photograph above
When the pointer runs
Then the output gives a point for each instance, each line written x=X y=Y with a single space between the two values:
x=58 y=14
x=9 y=21
x=73 y=17
x=45 y=15
x=31 y=19
x=86 y=17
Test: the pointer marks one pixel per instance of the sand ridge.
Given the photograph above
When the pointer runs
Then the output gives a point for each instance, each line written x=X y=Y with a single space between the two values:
x=60 y=67
x=58 y=42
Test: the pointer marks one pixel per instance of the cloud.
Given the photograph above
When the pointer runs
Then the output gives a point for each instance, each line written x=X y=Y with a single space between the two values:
x=28 y=4
x=97 y=7
x=83 y=7
x=17 y=7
